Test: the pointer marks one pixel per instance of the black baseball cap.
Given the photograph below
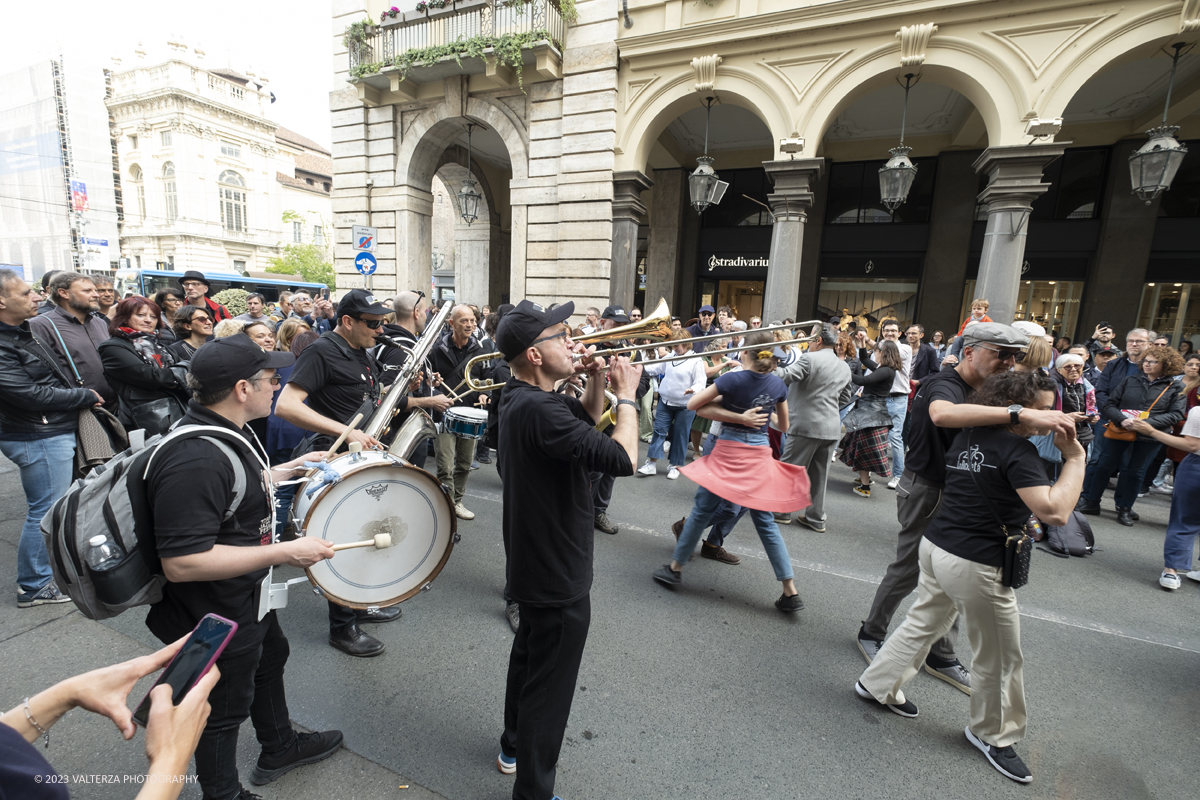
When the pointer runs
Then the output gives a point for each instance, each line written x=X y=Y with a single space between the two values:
x=1107 y=351
x=360 y=301
x=221 y=363
x=616 y=314
x=524 y=324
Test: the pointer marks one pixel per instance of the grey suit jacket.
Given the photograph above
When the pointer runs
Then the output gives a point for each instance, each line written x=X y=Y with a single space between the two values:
x=814 y=382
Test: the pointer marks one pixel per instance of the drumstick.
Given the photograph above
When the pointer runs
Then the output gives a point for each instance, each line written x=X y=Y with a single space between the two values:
x=379 y=542
x=354 y=422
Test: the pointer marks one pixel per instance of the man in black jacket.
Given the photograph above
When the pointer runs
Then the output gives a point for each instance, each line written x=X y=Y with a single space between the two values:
x=449 y=359
x=409 y=308
x=39 y=409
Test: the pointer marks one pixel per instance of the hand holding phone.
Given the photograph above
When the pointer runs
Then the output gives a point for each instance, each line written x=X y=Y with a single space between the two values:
x=194 y=659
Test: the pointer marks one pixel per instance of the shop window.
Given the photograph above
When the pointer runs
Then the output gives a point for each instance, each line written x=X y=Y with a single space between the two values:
x=1172 y=310
x=866 y=302
x=1052 y=304
x=1183 y=198
x=853 y=194
x=1076 y=186
x=735 y=209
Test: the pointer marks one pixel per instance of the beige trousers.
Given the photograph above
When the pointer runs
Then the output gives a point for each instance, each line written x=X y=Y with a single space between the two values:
x=993 y=626
x=454 y=457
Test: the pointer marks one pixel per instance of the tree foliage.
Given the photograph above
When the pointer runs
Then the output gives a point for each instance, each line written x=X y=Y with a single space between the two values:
x=309 y=261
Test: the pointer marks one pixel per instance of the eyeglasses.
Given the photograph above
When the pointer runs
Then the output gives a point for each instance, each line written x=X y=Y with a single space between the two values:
x=635 y=317
x=1004 y=354
x=1150 y=361
x=560 y=335
x=373 y=324
x=191 y=284
x=274 y=380
x=1073 y=366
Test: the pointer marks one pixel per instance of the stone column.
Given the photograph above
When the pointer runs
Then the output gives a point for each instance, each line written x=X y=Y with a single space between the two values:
x=950 y=224
x=628 y=212
x=790 y=202
x=667 y=205
x=472 y=262
x=1014 y=182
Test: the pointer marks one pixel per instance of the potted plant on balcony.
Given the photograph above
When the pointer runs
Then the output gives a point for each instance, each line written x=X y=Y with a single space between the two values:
x=393 y=16
x=439 y=7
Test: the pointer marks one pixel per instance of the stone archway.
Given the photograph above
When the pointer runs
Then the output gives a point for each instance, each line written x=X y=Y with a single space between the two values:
x=478 y=270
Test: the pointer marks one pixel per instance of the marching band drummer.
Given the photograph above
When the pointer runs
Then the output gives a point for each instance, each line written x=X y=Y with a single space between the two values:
x=548 y=447
x=449 y=358
x=334 y=379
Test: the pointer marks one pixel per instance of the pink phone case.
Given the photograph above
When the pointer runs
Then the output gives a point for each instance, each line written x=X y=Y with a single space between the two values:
x=233 y=626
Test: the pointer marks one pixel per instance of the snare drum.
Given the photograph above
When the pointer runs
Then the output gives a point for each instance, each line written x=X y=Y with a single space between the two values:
x=464 y=422
x=378 y=493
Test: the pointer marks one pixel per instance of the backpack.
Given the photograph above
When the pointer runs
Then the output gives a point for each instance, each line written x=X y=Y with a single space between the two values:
x=1073 y=539
x=112 y=500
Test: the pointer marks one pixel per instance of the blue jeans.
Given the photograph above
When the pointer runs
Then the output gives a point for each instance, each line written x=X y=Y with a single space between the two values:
x=1184 y=524
x=1130 y=482
x=676 y=422
x=897 y=409
x=46 y=466
x=705 y=506
x=724 y=518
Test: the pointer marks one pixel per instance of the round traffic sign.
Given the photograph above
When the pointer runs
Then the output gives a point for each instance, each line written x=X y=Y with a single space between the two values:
x=365 y=263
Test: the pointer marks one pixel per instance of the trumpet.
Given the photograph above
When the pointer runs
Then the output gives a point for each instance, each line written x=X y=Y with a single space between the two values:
x=656 y=327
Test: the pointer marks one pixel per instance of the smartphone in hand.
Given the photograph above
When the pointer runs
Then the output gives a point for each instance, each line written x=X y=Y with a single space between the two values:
x=193 y=660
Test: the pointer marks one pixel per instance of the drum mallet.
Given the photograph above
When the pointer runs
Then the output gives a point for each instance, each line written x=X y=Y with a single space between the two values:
x=380 y=541
x=353 y=424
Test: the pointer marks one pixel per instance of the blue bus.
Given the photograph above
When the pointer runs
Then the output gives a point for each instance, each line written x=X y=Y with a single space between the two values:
x=147 y=282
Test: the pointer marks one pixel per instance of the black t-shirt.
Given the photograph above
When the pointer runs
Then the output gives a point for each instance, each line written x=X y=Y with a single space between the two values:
x=337 y=377
x=927 y=443
x=548 y=446
x=1002 y=462
x=190 y=488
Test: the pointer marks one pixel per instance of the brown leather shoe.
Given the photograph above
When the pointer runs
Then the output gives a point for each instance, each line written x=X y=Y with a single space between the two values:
x=677 y=528
x=718 y=554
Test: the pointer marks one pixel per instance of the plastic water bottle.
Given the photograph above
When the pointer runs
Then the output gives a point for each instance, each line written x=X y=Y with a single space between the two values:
x=103 y=554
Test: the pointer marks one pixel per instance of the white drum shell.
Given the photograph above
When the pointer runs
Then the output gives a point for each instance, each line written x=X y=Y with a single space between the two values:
x=378 y=493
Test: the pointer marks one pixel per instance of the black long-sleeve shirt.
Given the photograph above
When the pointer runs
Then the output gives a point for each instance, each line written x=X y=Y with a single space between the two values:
x=548 y=447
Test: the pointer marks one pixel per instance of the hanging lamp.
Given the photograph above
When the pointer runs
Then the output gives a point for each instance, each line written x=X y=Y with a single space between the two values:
x=703 y=184
x=468 y=197
x=1153 y=166
x=897 y=175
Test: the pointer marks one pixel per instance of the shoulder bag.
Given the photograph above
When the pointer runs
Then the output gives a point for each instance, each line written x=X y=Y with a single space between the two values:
x=1018 y=547
x=1114 y=431
x=99 y=435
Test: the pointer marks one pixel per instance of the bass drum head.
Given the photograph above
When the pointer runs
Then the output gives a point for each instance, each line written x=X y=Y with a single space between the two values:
x=402 y=501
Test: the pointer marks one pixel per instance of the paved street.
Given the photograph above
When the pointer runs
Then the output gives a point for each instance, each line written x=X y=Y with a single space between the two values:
x=704 y=692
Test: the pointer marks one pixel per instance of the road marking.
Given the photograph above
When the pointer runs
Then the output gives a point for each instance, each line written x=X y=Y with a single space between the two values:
x=1187 y=646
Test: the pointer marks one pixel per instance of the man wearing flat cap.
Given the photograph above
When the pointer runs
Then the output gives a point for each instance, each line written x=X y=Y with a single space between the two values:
x=216 y=550
x=195 y=290
x=335 y=379
x=939 y=409
x=548 y=448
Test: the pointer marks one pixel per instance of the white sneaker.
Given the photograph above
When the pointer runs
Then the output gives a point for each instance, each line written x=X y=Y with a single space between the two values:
x=1161 y=490
x=649 y=468
x=1170 y=581
x=666 y=447
x=1194 y=575
x=672 y=474
x=462 y=513
x=893 y=483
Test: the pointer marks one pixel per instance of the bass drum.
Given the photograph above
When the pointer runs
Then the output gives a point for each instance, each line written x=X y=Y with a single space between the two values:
x=378 y=493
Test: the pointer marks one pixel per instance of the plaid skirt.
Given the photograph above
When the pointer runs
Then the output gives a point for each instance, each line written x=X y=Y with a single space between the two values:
x=867 y=449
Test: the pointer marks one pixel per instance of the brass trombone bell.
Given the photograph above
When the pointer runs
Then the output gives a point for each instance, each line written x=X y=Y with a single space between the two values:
x=657 y=326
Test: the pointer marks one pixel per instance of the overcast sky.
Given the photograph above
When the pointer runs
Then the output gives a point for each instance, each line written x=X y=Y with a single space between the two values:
x=289 y=43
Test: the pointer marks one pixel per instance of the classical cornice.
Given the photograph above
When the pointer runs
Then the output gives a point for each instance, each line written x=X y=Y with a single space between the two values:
x=179 y=100
x=733 y=35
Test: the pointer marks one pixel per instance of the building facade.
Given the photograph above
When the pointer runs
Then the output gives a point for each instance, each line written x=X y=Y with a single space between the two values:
x=1020 y=120
x=207 y=180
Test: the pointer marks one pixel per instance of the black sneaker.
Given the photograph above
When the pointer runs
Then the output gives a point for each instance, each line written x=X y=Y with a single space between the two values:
x=1084 y=507
x=47 y=595
x=307 y=748
x=867 y=646
x=1004 y=759
x=905 y=709
x=789 y=605
x=667 y=576
x=512 y=613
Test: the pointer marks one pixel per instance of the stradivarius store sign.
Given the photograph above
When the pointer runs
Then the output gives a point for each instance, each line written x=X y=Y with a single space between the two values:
x=739 y=261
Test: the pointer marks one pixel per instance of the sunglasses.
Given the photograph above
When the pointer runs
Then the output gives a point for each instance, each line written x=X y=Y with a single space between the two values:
x=274 y=380
x=373 y=324
x=201 y=319
x=560 y=335
x=1005 y=354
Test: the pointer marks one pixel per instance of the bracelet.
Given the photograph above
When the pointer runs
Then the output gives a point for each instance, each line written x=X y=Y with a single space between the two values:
x=33 y=722
x=633 y=403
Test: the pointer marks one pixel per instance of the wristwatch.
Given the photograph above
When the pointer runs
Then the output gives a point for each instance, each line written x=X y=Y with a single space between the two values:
x=1014 y=414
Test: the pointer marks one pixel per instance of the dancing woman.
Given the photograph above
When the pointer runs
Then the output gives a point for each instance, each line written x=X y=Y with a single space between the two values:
x=740 y=466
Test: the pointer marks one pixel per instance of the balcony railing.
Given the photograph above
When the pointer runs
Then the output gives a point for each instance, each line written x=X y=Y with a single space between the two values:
x=466 y=21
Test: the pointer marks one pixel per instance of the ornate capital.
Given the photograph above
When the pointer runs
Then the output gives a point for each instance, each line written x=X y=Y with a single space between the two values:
x=1015 y=174
x=913 y=41
x=792 y=181
x=627 y=196
x=706 y=71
